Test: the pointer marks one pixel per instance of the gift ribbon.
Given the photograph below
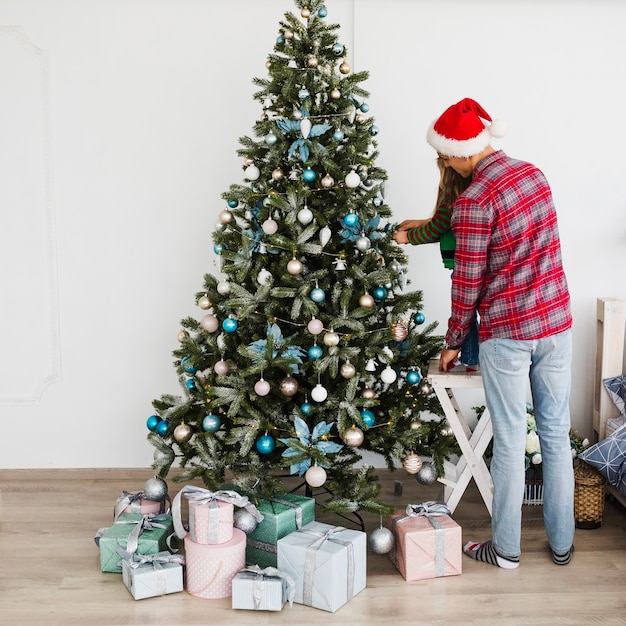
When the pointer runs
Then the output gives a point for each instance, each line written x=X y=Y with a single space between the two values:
x=430 y=510
x=309 y=561
x=147 y=522
x=134 y=501
x=199 y=495
x=262 y=545
x=134 y=560
x=289 y=586
x=292 y=505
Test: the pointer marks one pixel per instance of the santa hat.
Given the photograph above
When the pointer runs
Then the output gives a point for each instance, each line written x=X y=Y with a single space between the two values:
x=463 y=130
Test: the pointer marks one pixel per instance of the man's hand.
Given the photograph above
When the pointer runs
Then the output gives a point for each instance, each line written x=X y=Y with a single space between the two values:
x=447 y=358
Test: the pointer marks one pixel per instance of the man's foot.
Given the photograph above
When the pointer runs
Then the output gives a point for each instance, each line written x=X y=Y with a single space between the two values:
x=562 y=558
x=486 y=553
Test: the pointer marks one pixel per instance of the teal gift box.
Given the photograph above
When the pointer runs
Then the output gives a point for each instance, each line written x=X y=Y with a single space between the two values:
x=146 y=534
x=283 y=514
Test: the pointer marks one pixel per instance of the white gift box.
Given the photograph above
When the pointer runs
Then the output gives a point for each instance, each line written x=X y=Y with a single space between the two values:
x=153 y=575
x=259 y=589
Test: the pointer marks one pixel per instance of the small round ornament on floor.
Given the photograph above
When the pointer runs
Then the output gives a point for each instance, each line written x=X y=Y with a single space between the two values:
x=244 y=521
x=427 y=475
x=155 y=488
x=381 y=540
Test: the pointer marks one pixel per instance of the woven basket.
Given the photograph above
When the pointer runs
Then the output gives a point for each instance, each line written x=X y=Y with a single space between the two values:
x=588 y=496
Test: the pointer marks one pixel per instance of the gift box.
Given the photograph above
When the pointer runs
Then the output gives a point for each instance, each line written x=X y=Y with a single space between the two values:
x=143 y=534
x=259 y=589
x=135 y=502
x=428 y=542
x=282 y=515
x=210 y=568
x=147 y=576
x=327 y=563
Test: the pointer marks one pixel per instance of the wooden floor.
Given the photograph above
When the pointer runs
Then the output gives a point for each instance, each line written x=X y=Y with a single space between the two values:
x=50 y=573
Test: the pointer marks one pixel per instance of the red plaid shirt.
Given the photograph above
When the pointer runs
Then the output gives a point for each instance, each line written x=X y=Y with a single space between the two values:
x=508 y=256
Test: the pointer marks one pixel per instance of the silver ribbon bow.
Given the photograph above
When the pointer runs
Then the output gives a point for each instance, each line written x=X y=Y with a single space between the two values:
x=296 y=507
x=157 y=560
x=134 y=501
x=147 y=522
x=309 y=563
x=199 y=495
x=289 y=585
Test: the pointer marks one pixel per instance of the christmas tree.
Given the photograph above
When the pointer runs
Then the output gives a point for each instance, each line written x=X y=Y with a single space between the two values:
x=308 y=347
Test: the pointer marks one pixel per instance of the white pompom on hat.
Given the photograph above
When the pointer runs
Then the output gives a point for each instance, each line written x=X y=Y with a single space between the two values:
x=463 y=130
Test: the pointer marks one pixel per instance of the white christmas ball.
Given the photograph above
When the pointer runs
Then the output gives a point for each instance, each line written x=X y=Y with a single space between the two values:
x=325 y=234
x=264 y=277
x=252 y=172
x=353 y=180
x=262 y=387
x=269 y=226
x=315 y=476
x=363 y=244
x=294 y=267
x=315 y=326
x=226 y=216
x=223 y=287
x=305 y=216
x=388 y=375
x=319 y=393
x=331 y=339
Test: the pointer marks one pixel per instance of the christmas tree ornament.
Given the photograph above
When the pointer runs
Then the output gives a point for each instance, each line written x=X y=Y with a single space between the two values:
x=325 y=235
x=394 y=266
x=183 y=335
x=388 y=375
x=338 y=48
x=327 y=181
x=315 y=326
x=252 y=172
x=318 y=295
x=305 y=13
x=269 y=226
x=294 y=267
x=155 y=488
x=309 y=175
x=152 y=421
x=335 y=94
x=331 y=339
x=446 y=430
x=374 y=130
x=312 y=61
x=204 y=302
x=427 y=474
x=191 y=385
x=353 y=436
x=347 y=370
x=366 y=300
x=368 y=393
x=419 y=318
x=247 y=161
x=363 y=243
x=412 y=463
x=261 y=387
x=338 y=134
x=379 y=293
x=353 y=180
x=319 y=393
x=315 y=476
x=315 y=352
x=415 y=425
x=399 y=331
x=264 y=277
x=303 y=94
x=322 y=11
x=288 y=34
x=220 y=367
x=305 y=127
x=340 y=262
x=364 y=107
x=413 y=377
x=163 y=457
x=210 y=323
x=163 y=426
x=278 y=174
x=230 y=325
x=289 y=386
x=218 y=248
x=381 y=540
x=344 y=68
x=265 y=444
x=306 y=408
x=270 y=139
x=244 y=521
x=370 y=366
x=223 y=287
x=425 y=387
x=351 y=219
x=233 y=203
x=183 y=433
x=368 y=418
x=211 y=423
x=305 y=216
x=226 y=216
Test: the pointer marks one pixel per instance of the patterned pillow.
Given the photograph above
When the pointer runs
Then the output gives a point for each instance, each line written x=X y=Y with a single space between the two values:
x=609 y=458
x=616 y=388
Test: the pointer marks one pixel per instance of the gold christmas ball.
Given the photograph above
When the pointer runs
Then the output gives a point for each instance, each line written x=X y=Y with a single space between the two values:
x=204 y=302
x=305 y=13
x=353 y=436
x=312 y=61
x=415 y=425
x=399 y=331
x=368 y=393
x=446 y=430
x=331 y=339
x=277 y=174
x=412 y=463
x=288 y=34
x=248 y=161
x=182 y=335
x=348 y=370
x=344 y=68
x=183 y=433
x=328 y=181
x=366 y=300
x=226 y=216
x=289 y=386
x=335 y=94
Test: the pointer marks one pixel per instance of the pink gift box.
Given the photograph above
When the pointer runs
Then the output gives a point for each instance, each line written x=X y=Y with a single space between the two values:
x=425 y=547
x=210 y=568
x=140 y=505
x=211 y=522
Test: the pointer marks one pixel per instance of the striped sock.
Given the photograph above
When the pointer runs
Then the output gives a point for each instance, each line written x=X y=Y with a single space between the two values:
x=486 y=553
x=562 y=558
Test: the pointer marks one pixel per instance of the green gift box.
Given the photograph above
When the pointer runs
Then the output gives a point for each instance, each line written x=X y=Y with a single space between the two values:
x=143 y=534
x=283 y=514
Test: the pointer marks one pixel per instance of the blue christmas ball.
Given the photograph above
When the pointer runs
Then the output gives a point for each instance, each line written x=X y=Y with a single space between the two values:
x=322 y=11
x=364 y=107
x=379 y=293
x=306 y=408
x=351 y=219
x=338 y=48
x=218 y=248
x=233 y=203
x=377 y=201
x=191 y=384
x=230 y=325
x=265 y=444
x=368 y=418
x=162 y=427
x=419 y=318
x=188 y=369
x=374 y=130
x=303 y=93
x=211 y=423
x=308 y=175
x=280 y=39
x=152 y=422
x=413 y=377
x=315 y=352
x=338 y=135
x=318 y=295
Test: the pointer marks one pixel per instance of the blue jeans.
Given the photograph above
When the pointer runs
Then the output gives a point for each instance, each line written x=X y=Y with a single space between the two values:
x=506 y=366
x=469 y=348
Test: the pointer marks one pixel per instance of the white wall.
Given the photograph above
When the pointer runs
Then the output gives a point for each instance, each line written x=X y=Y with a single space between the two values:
x=119 y=123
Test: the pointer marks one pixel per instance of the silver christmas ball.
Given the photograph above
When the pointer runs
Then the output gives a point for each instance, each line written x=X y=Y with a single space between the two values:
x=244 y=521
x=381 y=540
x=353 y=436
x=363 y=244
x=155 y=488
x=163 y=458
x=289 y=386
x=348 y=370
x=427 y=475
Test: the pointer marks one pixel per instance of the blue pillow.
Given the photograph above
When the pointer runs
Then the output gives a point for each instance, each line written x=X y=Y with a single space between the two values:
x=616 y=388
x=609 y=458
